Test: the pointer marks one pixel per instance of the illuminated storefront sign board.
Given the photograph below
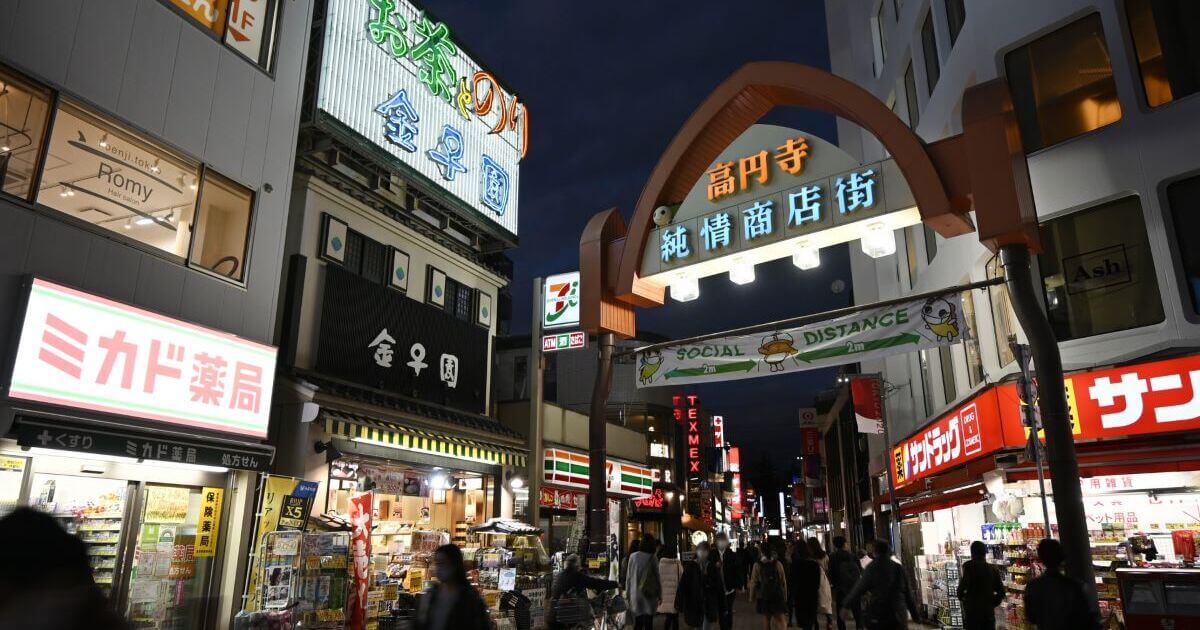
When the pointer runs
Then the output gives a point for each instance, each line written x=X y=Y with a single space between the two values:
x=87 y=352
x=561 y=301
x=396 y=77
x=800 y=193
x=564 y=341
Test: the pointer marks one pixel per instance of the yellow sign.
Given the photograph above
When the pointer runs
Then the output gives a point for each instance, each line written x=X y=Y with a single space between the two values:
x=166 y=504
x=209 y=13
x=16 y=464
x=274 y=490
x=208 y=529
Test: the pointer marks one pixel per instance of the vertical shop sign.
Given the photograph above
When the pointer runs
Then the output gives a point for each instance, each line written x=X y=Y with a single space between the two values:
x=718 y=423
x=687 y=411
x=248 y=23
x=867 y=394
x=208 y=528
x=810 y=441
x=360 y=555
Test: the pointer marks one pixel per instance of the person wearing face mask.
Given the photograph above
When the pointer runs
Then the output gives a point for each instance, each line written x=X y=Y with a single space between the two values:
x=768 y=589
x=452 y=603
x=699 y=597
x=731 y=573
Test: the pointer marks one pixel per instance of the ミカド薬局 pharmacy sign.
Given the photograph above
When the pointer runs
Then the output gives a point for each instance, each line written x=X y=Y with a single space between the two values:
x=86 y=352
x=395 y=76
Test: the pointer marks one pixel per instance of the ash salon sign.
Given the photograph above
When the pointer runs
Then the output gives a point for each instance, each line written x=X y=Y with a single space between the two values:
x=377 y=337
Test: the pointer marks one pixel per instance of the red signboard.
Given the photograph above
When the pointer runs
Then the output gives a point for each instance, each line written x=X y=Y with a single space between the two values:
x=718 y=431
x=735 y=501
x=559 y=499
x=868 y=403
x=735 y=459
x=656 y=501
x=970 y=431
x=360 y=554
x=810 y=441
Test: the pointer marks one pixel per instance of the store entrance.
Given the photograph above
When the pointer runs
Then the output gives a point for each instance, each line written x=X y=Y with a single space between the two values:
x=139 y=523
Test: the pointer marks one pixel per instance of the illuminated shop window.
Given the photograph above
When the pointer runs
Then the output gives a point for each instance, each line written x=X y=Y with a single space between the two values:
x=223 y=227
x=1062 y=84
x=1097 y=271
x=1166 y=37
x=24 y=111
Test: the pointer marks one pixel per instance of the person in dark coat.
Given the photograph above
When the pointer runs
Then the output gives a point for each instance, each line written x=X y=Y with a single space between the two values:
x=1053 y=600
x=890 y=593
x=980 y=589
x=572 y=579
x=700 y=598
x=45 y=578
x=844 y=571
x=452 y=603
x=804 y=584
x=732 y=573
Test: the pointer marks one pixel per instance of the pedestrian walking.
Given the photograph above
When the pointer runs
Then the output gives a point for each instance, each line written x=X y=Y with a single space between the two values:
x=452 y=603
x=844 y=571
x=643 y=587
x=804 y=585
x=699 y=599
x=1053 y=600
x=980 y=589
x=891 y=598
x=825 y=597
x=768 y=589
x=670 y=571
x=731 y=573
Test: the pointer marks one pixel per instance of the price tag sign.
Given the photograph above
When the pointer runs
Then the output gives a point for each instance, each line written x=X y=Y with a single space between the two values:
x=293 y=514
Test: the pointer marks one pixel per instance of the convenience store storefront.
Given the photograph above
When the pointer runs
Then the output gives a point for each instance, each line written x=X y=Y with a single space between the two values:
x=141 y=434
x=964 y=478
x=565 y=486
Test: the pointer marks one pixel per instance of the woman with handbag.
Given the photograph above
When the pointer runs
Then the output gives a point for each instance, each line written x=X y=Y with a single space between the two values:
x=569 y=604
x=643 y=586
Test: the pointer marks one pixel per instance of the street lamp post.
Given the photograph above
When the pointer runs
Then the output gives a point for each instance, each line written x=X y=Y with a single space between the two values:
x=893 y=506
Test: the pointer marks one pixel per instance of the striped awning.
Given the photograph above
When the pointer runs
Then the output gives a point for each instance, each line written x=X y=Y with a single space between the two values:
x=385 y=433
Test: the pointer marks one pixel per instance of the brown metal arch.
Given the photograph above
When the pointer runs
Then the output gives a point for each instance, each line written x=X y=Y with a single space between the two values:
x=740 y=101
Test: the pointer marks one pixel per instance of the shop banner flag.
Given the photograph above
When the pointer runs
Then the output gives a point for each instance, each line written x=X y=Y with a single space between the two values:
x=360 y=555
x=862 y=336
x=867 y=394
x=274 y=490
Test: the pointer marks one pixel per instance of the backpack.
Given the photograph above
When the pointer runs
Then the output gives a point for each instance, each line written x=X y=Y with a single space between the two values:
x=649 y=585
x=770 y=594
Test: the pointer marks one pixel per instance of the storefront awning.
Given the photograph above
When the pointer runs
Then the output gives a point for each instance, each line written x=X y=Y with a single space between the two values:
x=357 y=426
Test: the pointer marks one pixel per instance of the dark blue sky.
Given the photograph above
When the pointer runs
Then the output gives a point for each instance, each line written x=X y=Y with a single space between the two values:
x=607 y=86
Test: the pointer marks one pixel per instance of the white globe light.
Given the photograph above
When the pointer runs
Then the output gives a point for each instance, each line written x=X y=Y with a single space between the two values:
x=741 y=273
x=807 y=257
x=878 y=241
x=685 y=289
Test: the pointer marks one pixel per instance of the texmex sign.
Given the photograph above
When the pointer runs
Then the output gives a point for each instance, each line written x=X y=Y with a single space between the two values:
x=1140 y=399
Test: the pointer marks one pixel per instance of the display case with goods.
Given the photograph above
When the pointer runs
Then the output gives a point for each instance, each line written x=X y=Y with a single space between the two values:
x=94 y=510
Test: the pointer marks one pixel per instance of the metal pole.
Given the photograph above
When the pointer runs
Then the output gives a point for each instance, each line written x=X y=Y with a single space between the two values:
x=537 y=366
x=894 y=517
x=1037 y=458
x=1060 y=445
x=598 y=442
x=837 y=424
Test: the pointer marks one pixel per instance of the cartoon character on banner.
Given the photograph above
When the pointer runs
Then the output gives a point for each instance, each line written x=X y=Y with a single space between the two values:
x=777 y=348
x=940 y=318
x=650 y=362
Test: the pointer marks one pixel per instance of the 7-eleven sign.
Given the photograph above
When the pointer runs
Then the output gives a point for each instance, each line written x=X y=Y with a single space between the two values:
x=561 y=305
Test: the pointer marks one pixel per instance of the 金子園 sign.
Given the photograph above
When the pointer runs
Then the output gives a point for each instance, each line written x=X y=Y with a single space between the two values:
x=87 y=352
x=861 y=336
x=564 y=341
x=395 y=76
x=561 y=296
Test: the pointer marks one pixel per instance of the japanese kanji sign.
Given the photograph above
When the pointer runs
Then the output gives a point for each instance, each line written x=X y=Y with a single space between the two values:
x=970 y=431
x=851 y=338
x=87 y=352
x=400 y=344
x=394 y=75
x=769 y=193
x=209 y=526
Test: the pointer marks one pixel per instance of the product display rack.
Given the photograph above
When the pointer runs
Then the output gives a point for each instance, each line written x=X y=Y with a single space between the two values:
x=101 y=533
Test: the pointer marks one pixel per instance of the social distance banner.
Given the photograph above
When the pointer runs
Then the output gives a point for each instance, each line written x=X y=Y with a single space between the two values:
x=861 y=336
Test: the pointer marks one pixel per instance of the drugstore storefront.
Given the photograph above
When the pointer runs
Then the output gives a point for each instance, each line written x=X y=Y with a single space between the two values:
x=967 y=476
x=141 y=434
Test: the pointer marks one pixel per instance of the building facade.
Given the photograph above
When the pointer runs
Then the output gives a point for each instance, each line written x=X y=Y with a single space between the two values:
x=146 y=151
x=1103 y=93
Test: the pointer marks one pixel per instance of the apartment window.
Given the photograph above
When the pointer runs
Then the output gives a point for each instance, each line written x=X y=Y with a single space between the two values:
x=1183 y=197
x=1062 y=84
x=1004 y=319
x=971 y=341
x=879 y=40
x=1166 y=37
x=956 y=16
x=222 y=231
x=24 y=114
x=460 y=300
x=246 y=26
x=933 y=68
x=1097 y=271
x=910 y=94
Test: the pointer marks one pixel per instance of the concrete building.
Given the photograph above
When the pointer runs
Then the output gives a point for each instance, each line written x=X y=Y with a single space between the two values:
x=146 y=153
x=1103 y=93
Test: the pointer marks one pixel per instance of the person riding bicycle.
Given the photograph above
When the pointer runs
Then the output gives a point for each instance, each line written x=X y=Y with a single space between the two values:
x=573 y=582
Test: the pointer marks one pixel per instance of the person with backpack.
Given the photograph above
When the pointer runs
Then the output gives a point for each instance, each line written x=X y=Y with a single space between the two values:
x=980 y=589
x=643 y=585
x=844 y=571
x=891 y=599
x=768 y=589
x=1053 y=600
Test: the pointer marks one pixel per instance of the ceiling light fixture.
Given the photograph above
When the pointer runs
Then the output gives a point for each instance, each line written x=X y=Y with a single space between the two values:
x=807 y=257
x=878 y=241
x=104 y=141
x=154 y=167
x=685 y=289
x=128 y=224
x=145 y=221
x=741 y=272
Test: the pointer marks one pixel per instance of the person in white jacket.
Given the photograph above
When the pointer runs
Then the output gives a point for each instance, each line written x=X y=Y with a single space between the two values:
x=643 y=587
x=670 y=570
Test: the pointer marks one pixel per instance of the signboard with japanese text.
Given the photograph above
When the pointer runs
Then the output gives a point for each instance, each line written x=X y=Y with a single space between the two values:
x=208 y=530
x=44 y=434
x=656 y=502
x=561 y=300
x=360 y=556
x=966 y=433
x=395 y=76
x=853 y=338
x=808 y=417
x=564 y=341
x=86 y=352
x=718 y=431
x=867 y=394
x=377 y=337
x=769 y=192
x=810 y=441
x=559 y=499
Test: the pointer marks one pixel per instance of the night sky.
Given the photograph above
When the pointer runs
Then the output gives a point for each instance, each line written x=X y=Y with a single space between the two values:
x=607 y=86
